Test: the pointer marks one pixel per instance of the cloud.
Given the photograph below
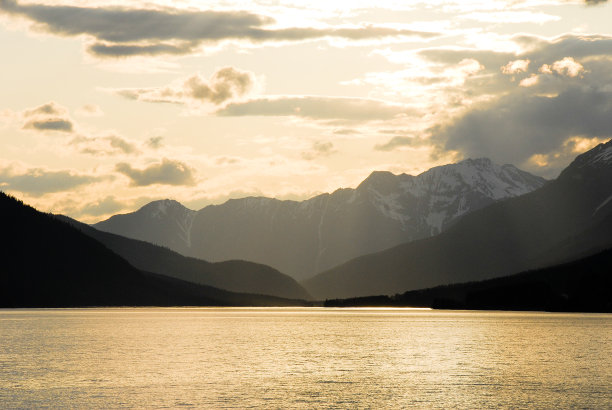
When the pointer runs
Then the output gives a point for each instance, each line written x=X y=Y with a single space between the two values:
x=168 y=172
x=522 y=124
x=50 y=124
x=530 y=81
x=509 y=16
x=105 y=206
x=318 y=108
x=558 y=158
x=563 y=93
x=537 y=51
x=90 y=110
x=122 y=144
x=516 y=66
x=154 y=142
x=48 y=117
x=50 y=108
x=103 y=50
x=39 y=181
x=224 y=85
x=568 y=66
x=319 y=149
x=346 y=131
x=512 y=113
x=122 y=32
x=107 y=145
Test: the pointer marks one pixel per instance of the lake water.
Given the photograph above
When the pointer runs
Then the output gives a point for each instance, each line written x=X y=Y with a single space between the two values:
x=307 y=357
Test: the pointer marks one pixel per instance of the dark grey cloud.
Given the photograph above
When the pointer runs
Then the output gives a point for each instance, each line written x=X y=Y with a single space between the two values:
x=38 y=181
x=224 y=85
x=319 y=149
x=564 y=92
x=50 y=124
x=103 y=50
x=318 y=108
x=167 y=172
x=121 y=25
x=522 y=124
x=122 y=31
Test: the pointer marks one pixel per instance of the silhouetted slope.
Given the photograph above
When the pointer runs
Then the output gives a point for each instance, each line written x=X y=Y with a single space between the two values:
x=510 y=236
x=48 y=263
x=584 y=285
x=235 y=276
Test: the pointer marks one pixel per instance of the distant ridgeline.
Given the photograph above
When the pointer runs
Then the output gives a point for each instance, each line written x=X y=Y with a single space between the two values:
x=304 y=238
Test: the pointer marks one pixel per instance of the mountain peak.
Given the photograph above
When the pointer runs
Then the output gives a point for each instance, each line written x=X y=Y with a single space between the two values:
x=598 y=158
x=383 y=182
x=162 y=207
x=602 y=153
x=478 y=175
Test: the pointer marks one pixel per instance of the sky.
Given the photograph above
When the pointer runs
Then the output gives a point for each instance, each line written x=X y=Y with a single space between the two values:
x=106 y=106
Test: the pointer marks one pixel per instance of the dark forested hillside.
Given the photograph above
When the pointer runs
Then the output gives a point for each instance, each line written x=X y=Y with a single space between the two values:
x=584 y=285
x=48 y=263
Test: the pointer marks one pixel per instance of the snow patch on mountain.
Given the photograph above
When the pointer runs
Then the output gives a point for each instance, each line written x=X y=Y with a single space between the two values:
x=443 y=193
x=604 y=203
x=605 y=154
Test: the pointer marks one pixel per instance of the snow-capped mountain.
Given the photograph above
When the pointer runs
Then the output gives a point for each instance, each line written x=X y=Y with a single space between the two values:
x=436 y=197
x=567 y=219
x=303 y=238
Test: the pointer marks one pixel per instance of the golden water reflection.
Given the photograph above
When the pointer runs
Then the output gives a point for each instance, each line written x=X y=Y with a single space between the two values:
x=303 y=357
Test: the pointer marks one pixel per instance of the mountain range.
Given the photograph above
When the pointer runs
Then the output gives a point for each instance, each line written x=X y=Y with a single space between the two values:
x=307 y=237
x=566 y=219
x=559 y=235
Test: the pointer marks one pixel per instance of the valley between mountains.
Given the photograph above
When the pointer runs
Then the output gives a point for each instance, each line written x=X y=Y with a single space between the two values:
x=467 y=222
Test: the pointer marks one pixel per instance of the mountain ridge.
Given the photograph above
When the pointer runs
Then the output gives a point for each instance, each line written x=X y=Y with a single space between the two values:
x=301 y=238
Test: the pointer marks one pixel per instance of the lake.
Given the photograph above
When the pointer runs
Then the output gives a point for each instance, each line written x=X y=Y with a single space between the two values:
x=303 y=357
